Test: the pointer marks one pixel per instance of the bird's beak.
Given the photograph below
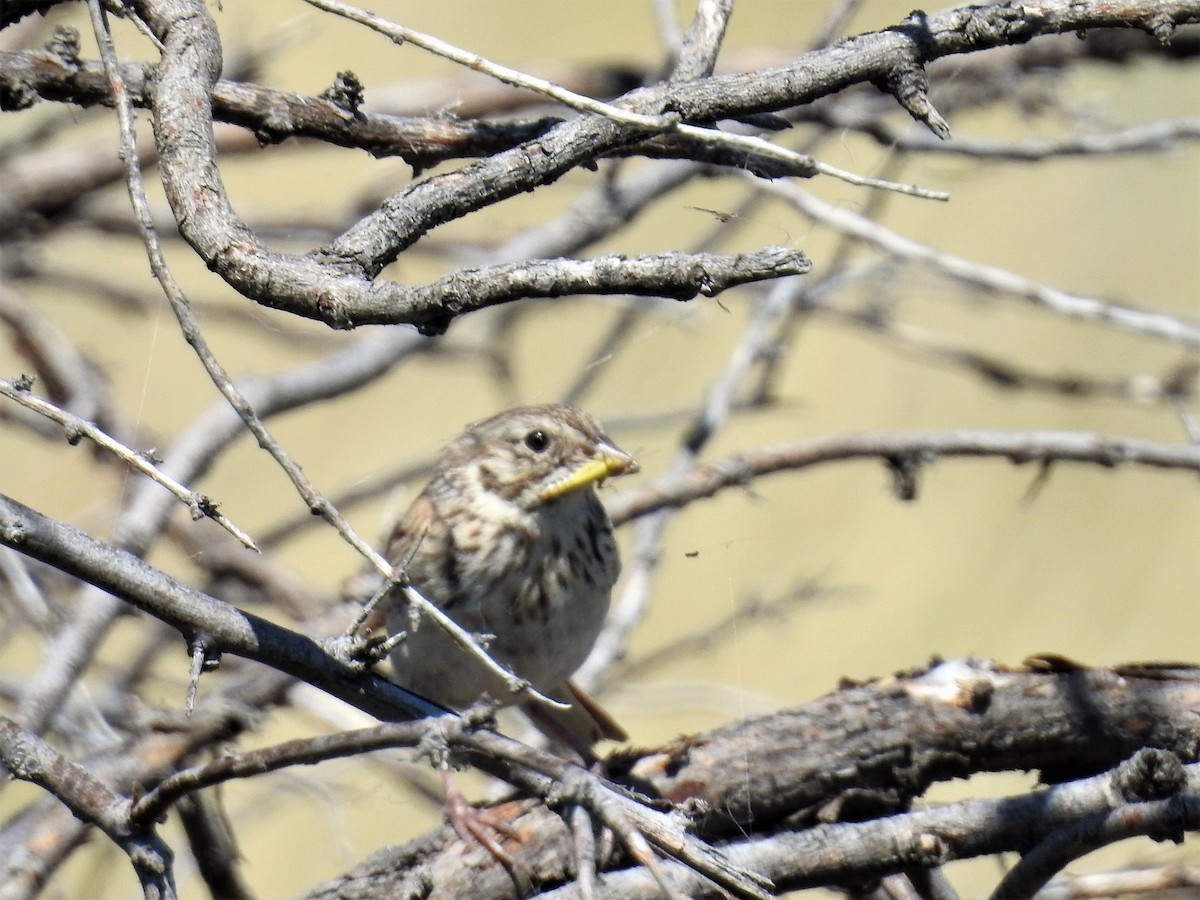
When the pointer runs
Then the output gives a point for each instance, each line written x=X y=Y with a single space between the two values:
x=607 y=461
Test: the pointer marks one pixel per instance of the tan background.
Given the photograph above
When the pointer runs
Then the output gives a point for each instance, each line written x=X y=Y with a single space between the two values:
x=1100 y=567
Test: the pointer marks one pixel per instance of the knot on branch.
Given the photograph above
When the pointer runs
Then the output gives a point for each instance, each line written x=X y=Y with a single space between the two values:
x=204 y=659
x=13 y=532
x=480 y=716
x=575 y=787
x=1162 y=28
x=357 y=652
x=64 y=46
x=909 y=84
x=1112 y=453
x=346 y=94
x=905 y=469
x=928 y=850
x=331 y=309
x=780 y=261
x=736 y=470
x=16 y=97
x=204 y=506
x=1150 y=774
x=1007 y=24
x=434 y=326
x=276 y=125
x=201 y=649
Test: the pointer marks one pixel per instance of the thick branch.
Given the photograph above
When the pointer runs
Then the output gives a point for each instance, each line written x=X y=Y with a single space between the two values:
x=782 y=786
x=335 y=284
x=220 y=627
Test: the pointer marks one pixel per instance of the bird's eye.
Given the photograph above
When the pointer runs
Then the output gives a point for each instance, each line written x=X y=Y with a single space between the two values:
x=537 y=441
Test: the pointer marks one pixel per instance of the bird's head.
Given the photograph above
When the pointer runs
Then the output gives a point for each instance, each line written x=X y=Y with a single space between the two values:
x=534 y=455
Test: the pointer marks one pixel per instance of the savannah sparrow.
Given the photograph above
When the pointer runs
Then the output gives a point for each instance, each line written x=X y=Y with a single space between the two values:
x=511 y=541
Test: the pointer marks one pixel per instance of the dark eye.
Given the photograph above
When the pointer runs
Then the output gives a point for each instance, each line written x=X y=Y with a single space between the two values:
x=537 y=441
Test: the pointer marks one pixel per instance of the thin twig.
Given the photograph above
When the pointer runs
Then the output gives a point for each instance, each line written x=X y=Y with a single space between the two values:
x=654 y=123
x=717 y=407
x=316 y=501
x=1159 y=881
x=1173 y=387
x=760 y=147
x=993 y=278
x=694 y=644
x=907 y=450
x=76 y=428
x=401 y=35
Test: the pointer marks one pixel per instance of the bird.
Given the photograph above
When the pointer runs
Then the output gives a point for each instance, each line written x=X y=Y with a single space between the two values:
x=510 y=540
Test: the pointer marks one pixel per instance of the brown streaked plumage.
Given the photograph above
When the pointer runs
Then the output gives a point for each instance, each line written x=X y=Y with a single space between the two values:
x=511 y=541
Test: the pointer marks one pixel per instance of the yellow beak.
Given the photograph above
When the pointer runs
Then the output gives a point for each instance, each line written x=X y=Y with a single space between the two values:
x=608 y=460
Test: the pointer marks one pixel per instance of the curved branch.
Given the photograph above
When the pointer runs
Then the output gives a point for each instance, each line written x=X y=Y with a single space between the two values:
x=334 y=284
x=29 y=758
x=904 y=453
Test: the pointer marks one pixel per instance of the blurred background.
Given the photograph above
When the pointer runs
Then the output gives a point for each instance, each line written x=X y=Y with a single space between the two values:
x=988 y=560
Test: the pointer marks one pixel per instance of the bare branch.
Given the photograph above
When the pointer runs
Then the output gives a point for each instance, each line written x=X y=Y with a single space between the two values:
x=398 y=34
x=913 y=450
x=817 y=796
x=825 y=794
x=335 y=283
x=29 y=758
x=76 y=429
x=193 y=614
x=991 y=278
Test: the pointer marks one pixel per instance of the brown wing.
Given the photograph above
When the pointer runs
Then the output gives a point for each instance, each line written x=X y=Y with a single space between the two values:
x=409 y=532
x=422 y=543
x=402 y=545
